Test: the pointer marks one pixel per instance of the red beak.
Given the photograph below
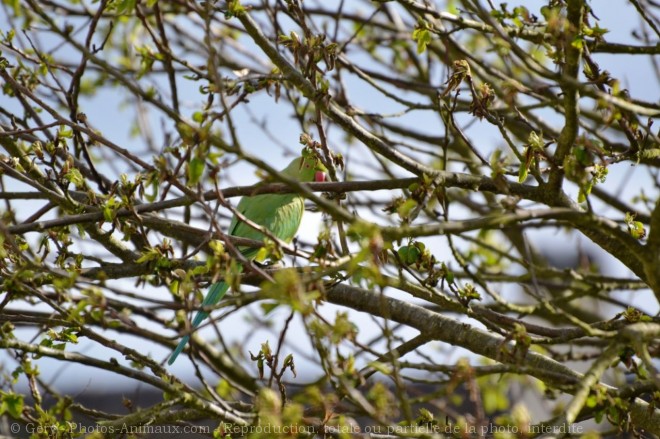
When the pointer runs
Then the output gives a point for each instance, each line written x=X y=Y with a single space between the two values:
x=319 y=177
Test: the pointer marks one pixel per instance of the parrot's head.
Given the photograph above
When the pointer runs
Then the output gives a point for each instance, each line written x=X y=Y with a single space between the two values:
x=306 y=168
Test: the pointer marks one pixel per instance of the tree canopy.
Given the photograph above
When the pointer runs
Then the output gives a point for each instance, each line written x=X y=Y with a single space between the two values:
x=466 y=141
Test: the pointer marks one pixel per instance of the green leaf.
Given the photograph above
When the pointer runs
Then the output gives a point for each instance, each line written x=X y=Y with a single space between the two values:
x=423 y=37
x=578 y=42
x=75 y=177
x=597 y=31
x=12 y=404
x=198 y=116
x=425 y=416
x=150 y=254
x=383 y=368
x=536 y=141
x=65 y=133
x=124 y=6
x=404 y=209
x=582 y=156
x=108 y=214
x=110 y=209
x=195 y=170
x=268 y=307
x=522 y=173
x=592 y=401
x=234 y=9
x=582 y=195
x=151 y=197
x=636 y=228
x=409 y=254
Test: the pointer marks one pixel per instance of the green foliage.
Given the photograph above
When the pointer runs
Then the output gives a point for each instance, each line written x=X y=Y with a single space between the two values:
x=11 y=404
x=636 y=228
x=196 y=168
x=422 y=35
x=287 y=288
x=468 y=293
x=382 y=400
x=494 y=393
x=533 y=152
x=633 y=315
x=123 y=6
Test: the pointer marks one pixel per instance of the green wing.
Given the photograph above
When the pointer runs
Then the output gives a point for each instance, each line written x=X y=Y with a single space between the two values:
x=280 y=214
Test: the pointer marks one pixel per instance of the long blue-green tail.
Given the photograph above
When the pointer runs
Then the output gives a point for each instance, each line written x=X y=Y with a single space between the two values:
x=216 y=292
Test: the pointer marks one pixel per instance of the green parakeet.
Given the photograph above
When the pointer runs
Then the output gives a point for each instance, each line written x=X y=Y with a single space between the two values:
x=279 y=213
